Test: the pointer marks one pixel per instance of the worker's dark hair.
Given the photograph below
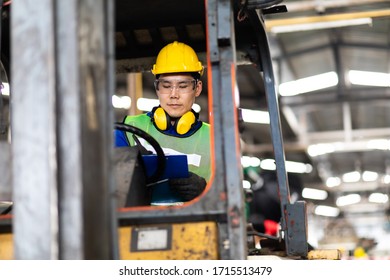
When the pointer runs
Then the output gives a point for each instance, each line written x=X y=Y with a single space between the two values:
x=195 y=75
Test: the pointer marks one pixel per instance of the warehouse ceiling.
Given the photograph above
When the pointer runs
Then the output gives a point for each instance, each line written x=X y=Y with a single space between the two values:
x=346 y=115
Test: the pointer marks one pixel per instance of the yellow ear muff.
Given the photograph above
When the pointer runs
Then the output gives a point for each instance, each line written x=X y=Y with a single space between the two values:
x=184 y=124
x=160 y=119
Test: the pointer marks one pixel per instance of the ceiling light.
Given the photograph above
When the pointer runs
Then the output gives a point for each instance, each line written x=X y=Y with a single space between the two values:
x=316 y=194
x=5 y=89
x=369 y=176
x=121 y=102
x=366 y=78
x=327 y=148
x=378 y=144
x=291 y=166
x=320 y=25
x=351 y=177
x=196 y=107
x=146 y=104
x=378 y=198
x=246 y=184
x=333 y=182
x=348 y=199
x=255 y=116
x=298 y=167
x=386 y=179
x=268 y=164
x=327 y=211
x=320 y=149
x=250 y=161
x=364 y=208
x=309 y=84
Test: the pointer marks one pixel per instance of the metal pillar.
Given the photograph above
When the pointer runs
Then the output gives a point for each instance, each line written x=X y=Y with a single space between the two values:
x=5 y=172
x=293 y=221
x=62 y=80
x=226 y=143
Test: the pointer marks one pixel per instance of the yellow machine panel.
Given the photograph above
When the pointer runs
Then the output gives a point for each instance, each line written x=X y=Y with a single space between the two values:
x=330 y=254
x=184 y=241
x=6 y=246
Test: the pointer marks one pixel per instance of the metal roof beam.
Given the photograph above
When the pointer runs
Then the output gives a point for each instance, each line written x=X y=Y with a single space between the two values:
x=318 y=5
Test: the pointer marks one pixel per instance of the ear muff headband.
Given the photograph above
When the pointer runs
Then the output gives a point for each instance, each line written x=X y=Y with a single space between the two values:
x=163 y=121
x=183 y=125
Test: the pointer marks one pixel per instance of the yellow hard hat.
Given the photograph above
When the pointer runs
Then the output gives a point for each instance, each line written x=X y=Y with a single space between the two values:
x=177 y=58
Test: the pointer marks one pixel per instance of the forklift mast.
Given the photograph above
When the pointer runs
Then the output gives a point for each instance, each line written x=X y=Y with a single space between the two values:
x=64 y=60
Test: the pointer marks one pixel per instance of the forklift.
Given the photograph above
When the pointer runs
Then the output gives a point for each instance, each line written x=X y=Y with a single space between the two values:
x=66 y=175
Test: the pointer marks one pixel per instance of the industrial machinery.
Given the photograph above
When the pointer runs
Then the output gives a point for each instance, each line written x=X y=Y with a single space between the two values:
x=65 y=172
x=234 y=35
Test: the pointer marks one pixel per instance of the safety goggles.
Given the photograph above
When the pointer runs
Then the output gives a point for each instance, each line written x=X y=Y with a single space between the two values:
x=164 y=86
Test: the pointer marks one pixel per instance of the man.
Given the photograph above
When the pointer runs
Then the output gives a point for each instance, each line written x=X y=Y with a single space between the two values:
x=264 y=207
x=173 y=123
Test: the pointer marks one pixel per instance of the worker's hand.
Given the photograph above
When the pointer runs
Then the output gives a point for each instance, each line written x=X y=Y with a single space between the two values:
x=188 y=188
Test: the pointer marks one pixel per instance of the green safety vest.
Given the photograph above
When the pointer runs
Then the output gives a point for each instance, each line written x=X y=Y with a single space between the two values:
x=195 y=146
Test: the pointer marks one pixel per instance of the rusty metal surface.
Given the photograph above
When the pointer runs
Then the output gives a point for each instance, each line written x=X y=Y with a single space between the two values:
x=61 y=159
x=33 y=149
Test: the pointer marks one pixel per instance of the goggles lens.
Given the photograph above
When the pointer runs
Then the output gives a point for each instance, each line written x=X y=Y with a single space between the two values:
x=181 y=86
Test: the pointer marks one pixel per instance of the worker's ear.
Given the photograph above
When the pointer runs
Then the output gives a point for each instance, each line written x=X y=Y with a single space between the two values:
x=198 y=89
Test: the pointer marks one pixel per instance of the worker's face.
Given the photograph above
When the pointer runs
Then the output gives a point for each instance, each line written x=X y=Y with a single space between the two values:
x=177 y=93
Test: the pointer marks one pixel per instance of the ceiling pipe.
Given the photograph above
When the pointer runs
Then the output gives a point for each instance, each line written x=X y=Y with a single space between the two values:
x=271 y=23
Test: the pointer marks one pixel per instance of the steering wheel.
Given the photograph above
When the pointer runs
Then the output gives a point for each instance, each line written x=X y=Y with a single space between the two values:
x=161 y=160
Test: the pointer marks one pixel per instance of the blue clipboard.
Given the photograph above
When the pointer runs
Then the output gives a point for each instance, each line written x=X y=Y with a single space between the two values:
x=176 y=167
